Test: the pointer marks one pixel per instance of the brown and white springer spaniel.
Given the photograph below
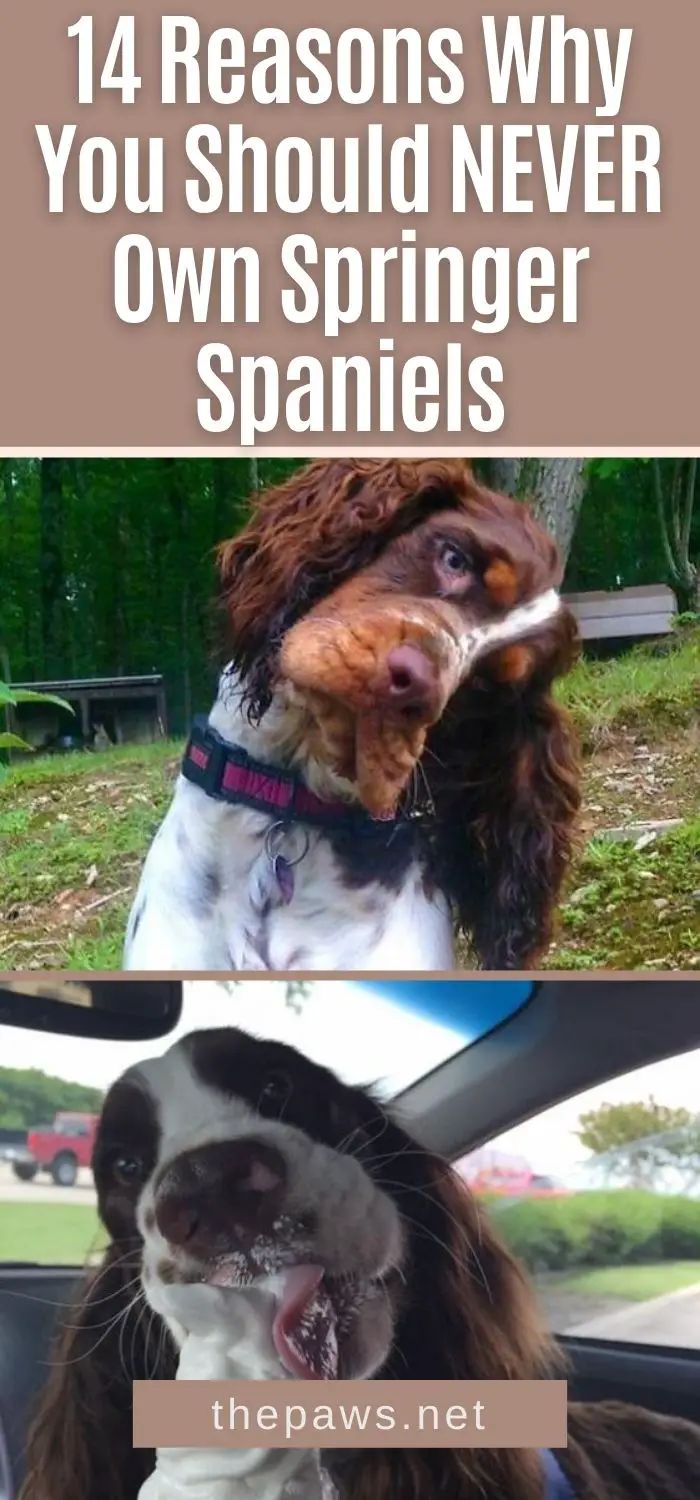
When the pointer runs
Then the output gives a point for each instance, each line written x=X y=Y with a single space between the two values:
x=230 y=1161
x=385 y=758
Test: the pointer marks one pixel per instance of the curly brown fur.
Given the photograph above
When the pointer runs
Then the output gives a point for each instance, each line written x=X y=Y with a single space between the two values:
x=305 y=537
x=500 y=768
x=503 y=770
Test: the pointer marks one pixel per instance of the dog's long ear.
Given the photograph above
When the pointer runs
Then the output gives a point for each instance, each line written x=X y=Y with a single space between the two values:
x=80 y=1443
x=307 y=536
x=469 y=1314
x=503 y=771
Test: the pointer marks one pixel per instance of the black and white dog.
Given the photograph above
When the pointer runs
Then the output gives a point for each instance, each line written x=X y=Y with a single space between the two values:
x=238 y=1163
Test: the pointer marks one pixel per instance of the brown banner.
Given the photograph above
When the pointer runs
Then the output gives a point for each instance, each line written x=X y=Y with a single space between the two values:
x=76 y=375
x=350 y=1414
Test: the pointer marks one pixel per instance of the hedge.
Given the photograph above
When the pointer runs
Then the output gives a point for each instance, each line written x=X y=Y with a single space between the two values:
x=599 y=1229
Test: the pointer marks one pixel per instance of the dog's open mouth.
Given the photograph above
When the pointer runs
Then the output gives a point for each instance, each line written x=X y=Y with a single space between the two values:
x=315 y=1311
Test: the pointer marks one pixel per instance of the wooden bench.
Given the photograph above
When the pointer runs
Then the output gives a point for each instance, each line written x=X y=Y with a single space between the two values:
x=637 y=612
x=129 y=709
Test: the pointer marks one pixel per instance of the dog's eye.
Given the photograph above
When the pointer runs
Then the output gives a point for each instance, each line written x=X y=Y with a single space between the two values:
x=127 y=1170
x=454 y=560
x=275 y=1093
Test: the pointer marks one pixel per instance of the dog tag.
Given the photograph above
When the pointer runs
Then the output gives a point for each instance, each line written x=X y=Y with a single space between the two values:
x=284 y=875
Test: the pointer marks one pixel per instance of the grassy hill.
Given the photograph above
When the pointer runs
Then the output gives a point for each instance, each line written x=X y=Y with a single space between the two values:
x=74 y=830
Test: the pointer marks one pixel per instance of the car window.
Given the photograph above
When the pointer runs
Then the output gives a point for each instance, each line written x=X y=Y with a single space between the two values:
x=51 y=1087
x=600 y=1198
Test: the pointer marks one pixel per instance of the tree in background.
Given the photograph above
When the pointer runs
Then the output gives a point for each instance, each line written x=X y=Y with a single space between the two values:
x=107 y=566
x=675 y=492
x=642 y=1140
x=29 y=1097
x=639 y=523
x=554 y=488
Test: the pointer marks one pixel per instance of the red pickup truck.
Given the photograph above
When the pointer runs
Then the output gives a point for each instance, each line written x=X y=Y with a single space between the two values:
x=59 y=1149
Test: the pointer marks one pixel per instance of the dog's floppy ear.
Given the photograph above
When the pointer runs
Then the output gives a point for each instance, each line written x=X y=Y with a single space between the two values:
x=504 y=774
x=306 y=536
x=468 y=1314
x=80 y=1443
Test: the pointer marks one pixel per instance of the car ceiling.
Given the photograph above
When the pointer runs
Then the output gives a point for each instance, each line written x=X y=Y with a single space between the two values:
x=570 y=1036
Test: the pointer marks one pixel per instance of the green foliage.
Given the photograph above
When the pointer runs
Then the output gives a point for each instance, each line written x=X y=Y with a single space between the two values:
x=618 y=542
x=651 y=688
x=615 y=921
x=9 y=698
x=63 y=818
x=107 y=566
x=29 y=1097
x=641 y=1139
x=600 y=1229
x=680 y=1228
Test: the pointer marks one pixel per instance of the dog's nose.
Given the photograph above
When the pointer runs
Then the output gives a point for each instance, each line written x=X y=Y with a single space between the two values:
x=412 y=678
x=221 y=1196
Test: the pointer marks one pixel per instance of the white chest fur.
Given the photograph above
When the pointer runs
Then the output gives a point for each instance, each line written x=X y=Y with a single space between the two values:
x=208 y=900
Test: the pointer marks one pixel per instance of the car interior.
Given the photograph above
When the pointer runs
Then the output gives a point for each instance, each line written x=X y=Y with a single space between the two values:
x=522 y=1047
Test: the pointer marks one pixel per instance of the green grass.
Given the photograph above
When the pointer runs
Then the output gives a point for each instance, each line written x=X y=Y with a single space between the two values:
x=58 y=769
x=631 y=908
x=635 y=1283
x=60 y=816
x=53 y=1233
x=652 y=688
x=623 y=908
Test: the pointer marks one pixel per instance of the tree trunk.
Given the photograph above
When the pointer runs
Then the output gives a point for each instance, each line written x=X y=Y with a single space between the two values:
x=675 y=500
x=552 y=487
x=52 y=573
x=174 y=474
x=10 y=508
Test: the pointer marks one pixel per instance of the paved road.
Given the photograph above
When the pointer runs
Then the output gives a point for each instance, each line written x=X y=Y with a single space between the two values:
x=673 y=1319
x=43 y=1190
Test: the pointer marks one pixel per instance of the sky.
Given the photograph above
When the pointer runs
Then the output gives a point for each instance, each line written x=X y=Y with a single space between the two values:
x=366 y=1039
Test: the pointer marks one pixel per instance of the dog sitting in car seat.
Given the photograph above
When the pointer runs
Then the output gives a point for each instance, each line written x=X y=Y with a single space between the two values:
x=233 y=1162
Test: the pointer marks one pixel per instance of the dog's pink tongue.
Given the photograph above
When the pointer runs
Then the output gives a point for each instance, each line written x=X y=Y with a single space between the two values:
x=304 y=1330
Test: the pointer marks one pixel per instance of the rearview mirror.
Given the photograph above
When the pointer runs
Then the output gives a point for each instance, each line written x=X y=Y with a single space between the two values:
x=118 y=1009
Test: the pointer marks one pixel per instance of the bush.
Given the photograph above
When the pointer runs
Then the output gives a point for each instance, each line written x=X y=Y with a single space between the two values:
x=680 y=1229
x=587 y=1229
x=533 y=1229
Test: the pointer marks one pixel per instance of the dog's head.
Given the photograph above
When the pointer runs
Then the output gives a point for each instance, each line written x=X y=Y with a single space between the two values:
x=236 y=1162
x=416 y=617
x=239 y=1163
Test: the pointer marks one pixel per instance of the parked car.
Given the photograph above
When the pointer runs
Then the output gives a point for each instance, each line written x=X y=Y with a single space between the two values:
x=59 y=1149
x=490 y=1172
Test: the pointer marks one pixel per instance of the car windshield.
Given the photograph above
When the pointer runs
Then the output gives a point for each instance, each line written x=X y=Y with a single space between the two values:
x=350 y=1027
x=46 y=1191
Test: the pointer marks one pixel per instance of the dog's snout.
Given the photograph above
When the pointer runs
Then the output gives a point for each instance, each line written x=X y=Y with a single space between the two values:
x=412 y=678
x=221 y=1196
